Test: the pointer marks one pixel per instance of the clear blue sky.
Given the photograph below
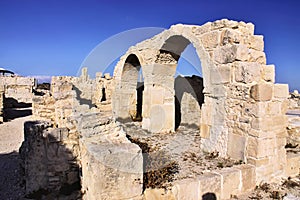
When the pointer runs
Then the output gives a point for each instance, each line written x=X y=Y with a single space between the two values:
x=53 y=37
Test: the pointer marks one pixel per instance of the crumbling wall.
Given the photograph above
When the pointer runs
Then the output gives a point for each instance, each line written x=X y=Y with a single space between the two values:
x=49 y=167
x=18 y=88
x=112 y=166
x=294 y=100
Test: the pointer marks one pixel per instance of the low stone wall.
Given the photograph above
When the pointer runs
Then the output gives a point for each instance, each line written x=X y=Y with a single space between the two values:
x=112 y=166
x=18 y=88
x=49 y=167
x=221 y=184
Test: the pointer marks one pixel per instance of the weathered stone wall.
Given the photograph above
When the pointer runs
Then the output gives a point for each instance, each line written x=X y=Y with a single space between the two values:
x=221 y=184
x=73 y=95
x=112 y=166
x=18 y=88
x=48 y=165
x=294 y=100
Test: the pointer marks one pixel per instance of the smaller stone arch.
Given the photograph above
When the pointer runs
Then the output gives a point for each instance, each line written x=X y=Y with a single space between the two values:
x=128 y=94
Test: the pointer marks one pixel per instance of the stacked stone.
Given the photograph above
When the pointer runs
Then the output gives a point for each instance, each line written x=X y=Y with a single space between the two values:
x=112 y=166
x=48 y=165
x=102 y=94
x=18 y=88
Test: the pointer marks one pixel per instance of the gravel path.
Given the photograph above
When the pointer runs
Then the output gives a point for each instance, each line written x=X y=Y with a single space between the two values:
x=11 y=137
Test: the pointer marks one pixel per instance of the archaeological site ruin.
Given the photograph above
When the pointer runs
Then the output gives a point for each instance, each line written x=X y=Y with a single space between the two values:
x=161 y=136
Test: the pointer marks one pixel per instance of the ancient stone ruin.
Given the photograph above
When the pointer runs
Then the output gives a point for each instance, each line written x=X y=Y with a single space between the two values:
x=164 y=137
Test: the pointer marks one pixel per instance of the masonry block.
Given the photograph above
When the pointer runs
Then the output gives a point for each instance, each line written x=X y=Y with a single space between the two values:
x=158 y=194
x=181 y=187
x=236 y=146
x=204 y=131
x=247 y=72
x=211 y=39
x=261 y=92
x=269 y=73
x=221 y=74
x=225 y=54
x=230 y=182
x=260 y=147
x=257 y=56
x=242 y=52
x=256 y=42
x=293 y=164
x=210 y=183
x=248 y=177
x=281 y=91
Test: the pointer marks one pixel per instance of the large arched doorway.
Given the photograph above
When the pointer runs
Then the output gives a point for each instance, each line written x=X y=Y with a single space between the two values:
x=188 y=90
x=132 y=87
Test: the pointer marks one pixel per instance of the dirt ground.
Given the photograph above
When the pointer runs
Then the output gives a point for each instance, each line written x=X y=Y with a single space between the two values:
x=11 y=137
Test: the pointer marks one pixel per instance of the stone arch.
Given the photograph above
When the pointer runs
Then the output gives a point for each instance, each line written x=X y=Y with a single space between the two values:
x=185 y=93
x=239 y=117
x=129 y=90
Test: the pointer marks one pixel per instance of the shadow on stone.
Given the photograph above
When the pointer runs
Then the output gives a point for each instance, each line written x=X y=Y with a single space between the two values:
x=209 y=196
x=187 y=85
x=14 y=113
x=11 y=185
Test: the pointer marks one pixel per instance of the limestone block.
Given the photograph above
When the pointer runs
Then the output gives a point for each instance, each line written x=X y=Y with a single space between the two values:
x=264 y=124
x=199 y=30
x=230 y=182
x=257 y=56
x=169 y=110
x=186 y=189
x=247 y=72
x=269 y=73
x=260 y=147
x=158 y=194
x=112 y=171
x=221 y=75
x=257 y=109
x=157 y=96
x=248 y=177
x=256 y=42
x=236 y=146
x=157 y=118
x=210 y=184
x=206 y=114
x=281 y=91
x=211 y=39
x=225 y=54
x=229 y=36
x=204 y=131
x=258 y=162
x=293 y=164
x=261 y=92
x=242 y=52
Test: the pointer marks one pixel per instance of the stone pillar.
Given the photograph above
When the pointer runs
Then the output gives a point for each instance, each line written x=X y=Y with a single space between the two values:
x=158 y=98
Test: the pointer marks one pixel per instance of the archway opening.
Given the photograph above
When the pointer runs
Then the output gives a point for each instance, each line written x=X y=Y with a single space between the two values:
x=132 y=89
x=188 y=83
